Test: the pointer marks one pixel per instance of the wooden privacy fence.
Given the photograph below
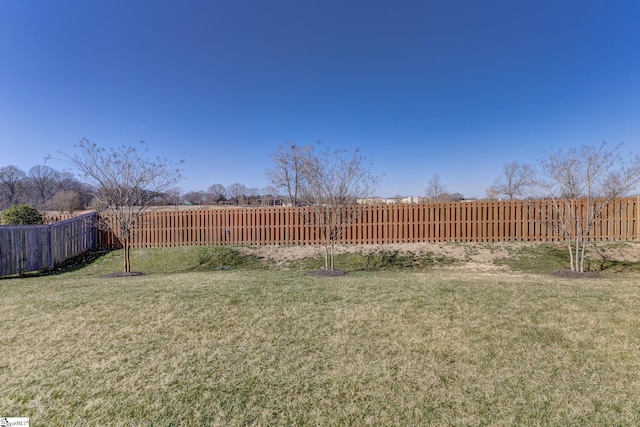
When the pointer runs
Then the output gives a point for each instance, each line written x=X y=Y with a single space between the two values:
x=26 y=248
x=476 y=221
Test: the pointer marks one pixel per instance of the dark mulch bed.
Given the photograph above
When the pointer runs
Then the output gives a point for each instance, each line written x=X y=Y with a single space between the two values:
x=576 y=274
x=123 y=274
x=327 y=273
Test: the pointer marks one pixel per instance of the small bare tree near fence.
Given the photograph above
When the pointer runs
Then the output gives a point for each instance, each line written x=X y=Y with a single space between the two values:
x=333 y=184
x=581 y=184
x=125 y=184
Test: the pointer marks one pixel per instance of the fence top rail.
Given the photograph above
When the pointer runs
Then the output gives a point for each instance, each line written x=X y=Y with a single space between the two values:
x=75 y=218
x=244 y=209
x=18 y=227
x=64 y=221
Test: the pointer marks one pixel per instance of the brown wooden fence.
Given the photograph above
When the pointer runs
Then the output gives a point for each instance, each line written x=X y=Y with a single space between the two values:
x=476 y=221
x=26 y=248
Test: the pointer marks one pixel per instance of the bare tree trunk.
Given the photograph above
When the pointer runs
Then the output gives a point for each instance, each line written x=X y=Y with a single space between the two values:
x=589 y=221
x=326 y=256
x=570 y=245
x=580 y=238
x=577 y=253
x=127 y=257
x=333 y=253
x=582 y=252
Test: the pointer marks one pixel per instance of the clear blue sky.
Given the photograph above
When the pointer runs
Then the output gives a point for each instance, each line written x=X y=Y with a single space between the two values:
x=451 y=87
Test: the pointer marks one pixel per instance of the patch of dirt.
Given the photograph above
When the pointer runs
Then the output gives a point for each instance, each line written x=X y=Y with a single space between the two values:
x=474 y=256
x=327 y=273
x=122 y=274
x=479 y=256
x=282 y=254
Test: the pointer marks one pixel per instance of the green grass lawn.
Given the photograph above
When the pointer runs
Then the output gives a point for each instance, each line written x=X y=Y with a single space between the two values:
x=186 y=345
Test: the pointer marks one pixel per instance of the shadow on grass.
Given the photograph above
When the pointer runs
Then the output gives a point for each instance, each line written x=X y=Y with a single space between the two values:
x=554 y=259
x=213 y=258
x=543 y=258
x=68 y=266
x=384 y=260
x=613 y=266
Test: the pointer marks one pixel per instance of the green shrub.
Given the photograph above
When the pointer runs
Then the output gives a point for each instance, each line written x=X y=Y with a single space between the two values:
x=21 y=215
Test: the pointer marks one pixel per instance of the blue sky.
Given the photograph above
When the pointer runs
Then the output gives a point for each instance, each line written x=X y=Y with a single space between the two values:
x=456 y=88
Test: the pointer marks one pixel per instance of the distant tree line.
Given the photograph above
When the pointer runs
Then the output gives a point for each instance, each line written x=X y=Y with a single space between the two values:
x=43 y=188
x=48 y=189
x=235 y=194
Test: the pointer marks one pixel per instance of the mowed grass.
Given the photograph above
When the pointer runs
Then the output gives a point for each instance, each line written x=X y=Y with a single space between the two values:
x=184 y=345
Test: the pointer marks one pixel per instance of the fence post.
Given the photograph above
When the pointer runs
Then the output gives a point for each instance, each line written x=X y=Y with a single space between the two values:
x=638 y=218
x=94 y=228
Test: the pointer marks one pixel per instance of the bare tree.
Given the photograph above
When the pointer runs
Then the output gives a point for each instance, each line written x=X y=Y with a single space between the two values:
x=253 y=196
x=172 y=197
x=196 y=197
x=66 y=202
x=436 y=191
x=124 y=183
x=288 y=169
x=68 y=181
x=333 y=185
x=269 y=195
x=237 y=192
x=581 y=183
x=514 y=183
x=455 y=197
x=217 y=193
x=492 y=193
x=43 y=183
x=12 y=180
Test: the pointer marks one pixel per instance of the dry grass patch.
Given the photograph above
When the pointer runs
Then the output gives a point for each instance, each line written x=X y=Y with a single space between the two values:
x=273 y=347
x=481 y=257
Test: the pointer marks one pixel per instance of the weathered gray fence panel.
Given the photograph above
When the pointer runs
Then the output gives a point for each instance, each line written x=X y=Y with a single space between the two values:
x=73 y=236
x=25 y=248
